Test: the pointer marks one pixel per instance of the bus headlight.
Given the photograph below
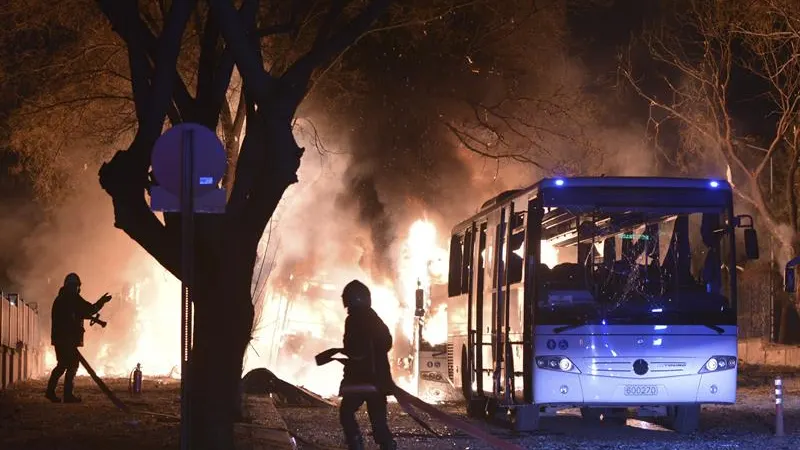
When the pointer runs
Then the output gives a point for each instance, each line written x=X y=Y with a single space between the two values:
x=559 y=363
x=718 y=364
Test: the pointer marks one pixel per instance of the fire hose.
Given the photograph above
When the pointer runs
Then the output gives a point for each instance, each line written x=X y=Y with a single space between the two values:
x=408 y=402
x=111 y=396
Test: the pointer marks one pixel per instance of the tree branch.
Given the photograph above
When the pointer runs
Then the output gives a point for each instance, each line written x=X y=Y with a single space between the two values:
x=276 y=29
x=164 y=78
x=224 y=72
x=256 y=81
x=299 y=74
x=135 y=33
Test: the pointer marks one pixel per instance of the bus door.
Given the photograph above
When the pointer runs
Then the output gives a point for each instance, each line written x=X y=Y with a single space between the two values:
x=500 y=304
x=481 y=351
x=532 y=282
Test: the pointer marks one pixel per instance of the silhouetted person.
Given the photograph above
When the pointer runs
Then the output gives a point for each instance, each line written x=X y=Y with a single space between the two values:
x=66 y=335
x=367 y=377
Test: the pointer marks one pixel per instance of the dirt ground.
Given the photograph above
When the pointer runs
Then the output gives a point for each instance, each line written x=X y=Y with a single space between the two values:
x=29 y=421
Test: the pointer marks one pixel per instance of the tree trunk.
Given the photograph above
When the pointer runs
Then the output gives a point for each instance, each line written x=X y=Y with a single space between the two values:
x=223 y=319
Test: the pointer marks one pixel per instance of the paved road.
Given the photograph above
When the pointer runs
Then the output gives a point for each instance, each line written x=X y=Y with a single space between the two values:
x=746 y=425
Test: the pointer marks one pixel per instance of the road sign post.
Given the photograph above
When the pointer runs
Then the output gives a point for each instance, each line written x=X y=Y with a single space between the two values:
x=188 y=181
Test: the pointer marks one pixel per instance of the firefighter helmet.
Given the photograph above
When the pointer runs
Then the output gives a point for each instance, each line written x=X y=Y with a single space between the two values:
x=356 y=294
x=72 y=280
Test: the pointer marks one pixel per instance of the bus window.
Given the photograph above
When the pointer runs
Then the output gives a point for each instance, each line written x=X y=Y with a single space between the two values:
x=466 y=263
x=517 y=254
x=456 y=261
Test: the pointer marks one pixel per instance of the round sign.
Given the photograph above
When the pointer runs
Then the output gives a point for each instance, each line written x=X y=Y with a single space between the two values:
x=209 y=158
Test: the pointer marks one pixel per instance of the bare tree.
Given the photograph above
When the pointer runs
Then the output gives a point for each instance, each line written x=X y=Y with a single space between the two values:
x=531 y=108
x=269 y=157
x=714 y=43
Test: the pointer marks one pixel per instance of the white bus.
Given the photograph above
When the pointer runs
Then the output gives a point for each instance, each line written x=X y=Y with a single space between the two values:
x=603 y=294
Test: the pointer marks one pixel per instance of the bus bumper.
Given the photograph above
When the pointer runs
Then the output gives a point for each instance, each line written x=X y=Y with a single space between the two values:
x=558 y=388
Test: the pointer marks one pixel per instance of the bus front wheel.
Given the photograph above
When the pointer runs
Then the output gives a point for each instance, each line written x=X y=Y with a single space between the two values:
x=684 y=419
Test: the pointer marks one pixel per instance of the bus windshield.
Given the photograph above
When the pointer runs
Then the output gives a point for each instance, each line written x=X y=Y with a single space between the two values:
x=635 y=266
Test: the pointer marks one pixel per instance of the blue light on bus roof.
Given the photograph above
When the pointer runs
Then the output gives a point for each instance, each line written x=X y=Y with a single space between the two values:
x=559 y=182
x=657 y=310
x=713 y=183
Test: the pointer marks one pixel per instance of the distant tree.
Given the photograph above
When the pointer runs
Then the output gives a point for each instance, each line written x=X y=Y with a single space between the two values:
x=715 y=56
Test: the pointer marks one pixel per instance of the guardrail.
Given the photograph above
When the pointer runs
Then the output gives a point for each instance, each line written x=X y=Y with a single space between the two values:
x=21 y=349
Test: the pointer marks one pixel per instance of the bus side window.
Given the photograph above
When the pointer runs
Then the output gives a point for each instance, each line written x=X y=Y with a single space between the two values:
x=466 y=264
x=516 y=258
x=456 y=260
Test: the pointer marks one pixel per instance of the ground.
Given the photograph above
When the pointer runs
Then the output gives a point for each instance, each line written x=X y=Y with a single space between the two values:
x=28 y=421
x=747 y=425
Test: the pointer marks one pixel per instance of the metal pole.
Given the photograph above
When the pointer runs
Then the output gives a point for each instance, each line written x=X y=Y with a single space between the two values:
x=778 y=406
x=187 y=281
x=771 y=316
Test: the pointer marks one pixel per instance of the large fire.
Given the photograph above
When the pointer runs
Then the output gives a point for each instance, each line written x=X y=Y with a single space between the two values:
x=315 y=321
x=292 y=329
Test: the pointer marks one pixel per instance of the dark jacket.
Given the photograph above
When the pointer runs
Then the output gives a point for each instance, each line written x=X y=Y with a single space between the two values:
x=69 y=312
x=367 y=342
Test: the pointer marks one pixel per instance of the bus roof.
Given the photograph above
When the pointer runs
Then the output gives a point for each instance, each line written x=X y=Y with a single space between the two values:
x=600 y=182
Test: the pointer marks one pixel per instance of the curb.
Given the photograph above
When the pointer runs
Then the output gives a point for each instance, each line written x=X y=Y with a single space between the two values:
x=266 y=430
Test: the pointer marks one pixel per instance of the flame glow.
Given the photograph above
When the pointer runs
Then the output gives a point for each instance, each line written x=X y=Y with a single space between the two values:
x=549 y=254
x=435 y=330
x=293 y=327
x=153 y=338
x=314 y=321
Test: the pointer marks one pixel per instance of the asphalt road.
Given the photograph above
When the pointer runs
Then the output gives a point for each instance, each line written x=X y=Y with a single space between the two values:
x=746 y=425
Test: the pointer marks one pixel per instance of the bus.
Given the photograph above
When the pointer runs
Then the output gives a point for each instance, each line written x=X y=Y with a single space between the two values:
x=614 y=295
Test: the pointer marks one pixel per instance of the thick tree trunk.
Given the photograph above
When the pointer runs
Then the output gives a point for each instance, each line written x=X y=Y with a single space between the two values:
x=223 y=319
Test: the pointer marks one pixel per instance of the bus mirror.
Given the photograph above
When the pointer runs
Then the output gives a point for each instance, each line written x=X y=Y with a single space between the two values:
x=788 y=280
x=751 y=243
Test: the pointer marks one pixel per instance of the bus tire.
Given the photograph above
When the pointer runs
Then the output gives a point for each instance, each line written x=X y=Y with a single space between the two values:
x=684 y=419
x=591 y=415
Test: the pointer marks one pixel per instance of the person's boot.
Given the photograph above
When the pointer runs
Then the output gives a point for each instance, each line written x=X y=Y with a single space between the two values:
x=356 y=443
x=50 y=393
x=69 y=384
x=391 y=445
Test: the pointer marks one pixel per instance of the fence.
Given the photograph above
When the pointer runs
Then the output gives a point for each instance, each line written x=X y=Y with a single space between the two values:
x=21 y=349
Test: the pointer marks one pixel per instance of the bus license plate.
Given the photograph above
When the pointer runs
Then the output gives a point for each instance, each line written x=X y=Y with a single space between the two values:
x=639 y=390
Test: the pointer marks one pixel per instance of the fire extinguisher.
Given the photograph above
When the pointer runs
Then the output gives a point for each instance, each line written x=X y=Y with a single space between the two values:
x=135 y=380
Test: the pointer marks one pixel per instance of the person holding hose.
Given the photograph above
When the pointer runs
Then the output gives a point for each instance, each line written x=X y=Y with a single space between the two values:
x=367 y=376
x=66 y=335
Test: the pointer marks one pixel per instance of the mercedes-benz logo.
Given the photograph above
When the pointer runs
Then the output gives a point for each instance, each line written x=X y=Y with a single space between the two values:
x=640 y=367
